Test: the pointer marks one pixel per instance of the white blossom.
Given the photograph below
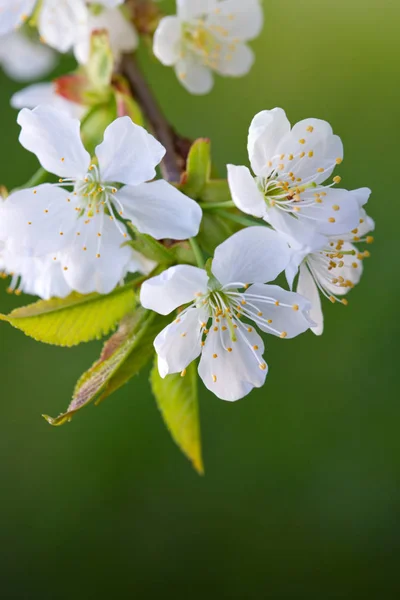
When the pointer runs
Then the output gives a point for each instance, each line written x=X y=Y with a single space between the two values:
x=328 y=266
x=223 y=307
x=45 y=94
x=79 y=222
x=207 y=36
x=24 y=59
x=291 y=165
x=66 y=25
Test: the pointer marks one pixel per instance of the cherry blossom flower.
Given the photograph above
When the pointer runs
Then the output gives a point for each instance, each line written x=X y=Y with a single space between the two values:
x=66 y=25
x=291 y=165
x=224 y=304
x=79 y=221
x=207 y=36
x=328 y=266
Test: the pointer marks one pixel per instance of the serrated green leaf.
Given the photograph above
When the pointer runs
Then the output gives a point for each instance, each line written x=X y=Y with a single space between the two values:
x=123 y=356
x=198 y=168
x=75 y=319
x=177 y=399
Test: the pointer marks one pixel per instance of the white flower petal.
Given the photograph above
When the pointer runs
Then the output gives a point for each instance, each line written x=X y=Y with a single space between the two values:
x=167 y=40
x=128 y=153
x=194 y=76
x=59 y=22
x=361 y=195
x=252 y=255
x=162 y=211
x=235 y=62
x=55 y=139
x=23 y=59
x=365 y=225
x=140 y=263
x=315 y=149
x=14 y=13
x=237 y=19
x=287 y=311
x=38 y=221
x=189 y=9
x=45 y=94
x=266 y=131
x=122 y=34
x=245 y=193
x=93 y=263
x=179 y=343
x=307 y=287
x=173 y=288
x=337 y=213
x=232 y=369
x=106 y=3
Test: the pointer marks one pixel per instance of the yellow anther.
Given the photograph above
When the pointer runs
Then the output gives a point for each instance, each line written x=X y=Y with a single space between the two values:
x=97 y=255
x=224 y=328
x=339 y=161
x=290 y=157
x=183 y=373
x=337 y=179
x=269 y=321
x=215 y=329
x=320 y=170
x=332 y=220
x=283 y=334
x=255 y=347
x=214 y=377
x=263 y=366
x=336 y=207
x=310 y=128
x=310 y=154
x=302 y=154
x=295 y=307
x=369 y=239
x=354 y=265
x=229 y=349
x=260 y=314
x=302 y=141
x=183 y=334
x=345 y=302
x=332 y=299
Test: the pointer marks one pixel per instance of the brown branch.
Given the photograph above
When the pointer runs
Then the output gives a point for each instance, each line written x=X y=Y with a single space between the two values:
x=177 y=147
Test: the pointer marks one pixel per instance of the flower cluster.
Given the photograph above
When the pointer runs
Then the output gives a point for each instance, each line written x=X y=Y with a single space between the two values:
x=128 y=227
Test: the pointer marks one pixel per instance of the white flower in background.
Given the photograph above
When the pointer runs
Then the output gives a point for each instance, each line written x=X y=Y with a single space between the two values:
x=79 y=221
x=14 y=13
x=122 y=34
x=327 y=265
x=290 y=165
x=66 y=25
x=224 y=306
x=24 y=59
x=45 y=94
x=207 y=36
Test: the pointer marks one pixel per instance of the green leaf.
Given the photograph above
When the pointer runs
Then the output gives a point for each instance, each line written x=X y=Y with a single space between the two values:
x=216 y=190
x=214 y=230
x=177 y=400
x=95 y=122
x=123 y=356
x=75 y=319
x=152 y=249
x=198 y=168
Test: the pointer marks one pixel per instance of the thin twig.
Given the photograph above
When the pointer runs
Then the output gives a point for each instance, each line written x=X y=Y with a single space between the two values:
x=174 y=161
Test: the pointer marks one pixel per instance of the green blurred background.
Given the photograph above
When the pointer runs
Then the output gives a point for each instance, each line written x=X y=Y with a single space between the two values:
x=301 y=497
